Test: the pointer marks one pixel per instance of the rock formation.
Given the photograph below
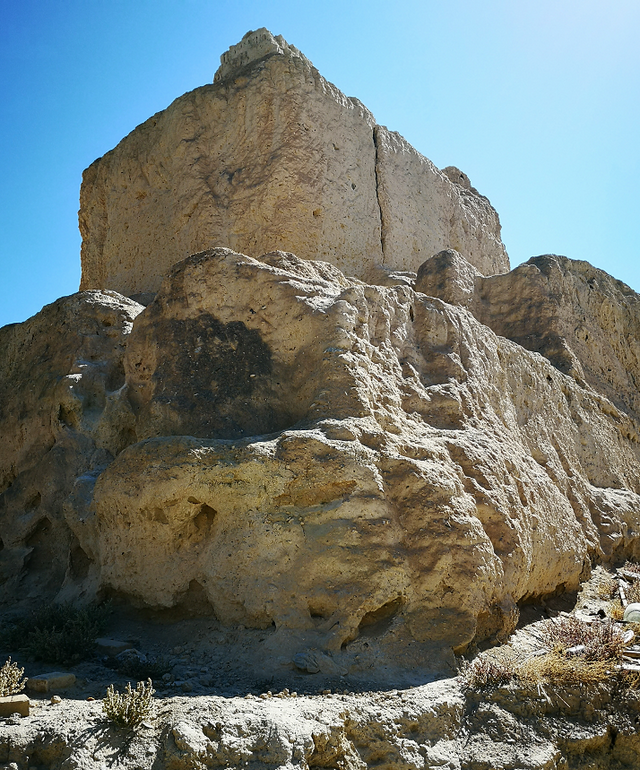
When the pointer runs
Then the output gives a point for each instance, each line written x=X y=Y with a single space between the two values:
x=434 y=726
x=272 y=156
x=299 y=449
x=285 y=447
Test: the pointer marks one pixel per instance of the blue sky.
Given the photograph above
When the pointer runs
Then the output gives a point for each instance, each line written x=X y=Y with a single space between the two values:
x=537 y=101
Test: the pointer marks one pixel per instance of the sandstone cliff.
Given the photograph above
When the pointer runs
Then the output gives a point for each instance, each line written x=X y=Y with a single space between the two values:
x=272 y=156
x=302 y=450
x=377 y=472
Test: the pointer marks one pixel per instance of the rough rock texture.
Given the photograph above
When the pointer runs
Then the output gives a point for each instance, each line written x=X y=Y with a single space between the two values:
x=579 y=317
x=424 y=210
x=583 y=320
x=435 y=726
x=312 y=452
x=59 y=372
x=448 y=276
x=272 y=156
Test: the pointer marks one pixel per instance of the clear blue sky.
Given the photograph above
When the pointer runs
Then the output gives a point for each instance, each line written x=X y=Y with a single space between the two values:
x=538 y=101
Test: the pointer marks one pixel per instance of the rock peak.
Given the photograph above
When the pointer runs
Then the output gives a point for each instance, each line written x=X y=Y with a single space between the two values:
x=272 y=156
x=255 y=45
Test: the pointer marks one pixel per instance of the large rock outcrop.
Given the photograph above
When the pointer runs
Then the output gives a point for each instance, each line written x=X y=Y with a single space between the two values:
x=59 y=372
x=579 y=317
x=272 y=156
x=294 y=448
x=377 y=472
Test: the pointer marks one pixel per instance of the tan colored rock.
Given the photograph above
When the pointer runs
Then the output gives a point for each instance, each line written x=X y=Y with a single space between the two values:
x=340 y=459
x=60 y=372
x=55 y=680
x=14 y=704
x=450 y=277
x=266 y=158
x=583 y=320
x=414 y=475
x=272 y=156
x=424 y=210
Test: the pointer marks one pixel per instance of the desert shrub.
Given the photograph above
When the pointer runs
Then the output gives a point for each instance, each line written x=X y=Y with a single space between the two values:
x=11 y=679
x=601 y=641
x=487 y=671
x=58 y=633
x=130 y=708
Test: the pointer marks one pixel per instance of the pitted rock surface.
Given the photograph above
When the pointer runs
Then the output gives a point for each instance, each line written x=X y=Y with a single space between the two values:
x=272 y=156
x=379 y=466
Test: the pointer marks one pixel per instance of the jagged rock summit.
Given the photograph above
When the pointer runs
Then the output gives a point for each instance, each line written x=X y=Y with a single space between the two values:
x=375 y=473
x=272 y=156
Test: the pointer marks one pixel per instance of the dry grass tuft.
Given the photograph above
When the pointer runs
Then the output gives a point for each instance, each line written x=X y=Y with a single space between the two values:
x=11 y=679
x=576 y=653
x=633 y=592
x=601 y=641
x=615 y=610
x=556 y=668
x=607 y=587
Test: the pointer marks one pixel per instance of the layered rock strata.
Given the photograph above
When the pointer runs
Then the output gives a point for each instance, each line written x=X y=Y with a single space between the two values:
x=294 y=448
x=272 y=156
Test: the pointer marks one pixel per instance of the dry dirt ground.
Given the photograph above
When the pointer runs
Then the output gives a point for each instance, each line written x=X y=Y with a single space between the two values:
x=212 y=710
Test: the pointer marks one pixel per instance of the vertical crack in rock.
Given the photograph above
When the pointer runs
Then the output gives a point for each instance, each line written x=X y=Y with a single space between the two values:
x=377 y=175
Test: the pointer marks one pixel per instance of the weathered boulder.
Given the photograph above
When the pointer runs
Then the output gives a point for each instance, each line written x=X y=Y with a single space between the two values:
x=59 y=422
x=583 y=320
x=448 y=276
x=292 y=447
x=272 y=156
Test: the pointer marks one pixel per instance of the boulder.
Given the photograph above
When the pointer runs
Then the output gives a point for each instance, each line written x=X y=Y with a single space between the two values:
x=342 y=461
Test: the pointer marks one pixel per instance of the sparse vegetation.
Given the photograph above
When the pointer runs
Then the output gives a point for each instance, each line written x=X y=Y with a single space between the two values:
x=11 y=679
x=130 y=708
x=58 y=633
x=486 y=671
x=601 y=641
x=631 y=566
x=574 y=652
x=557 y=668
x=633 y=591
x=607 y=587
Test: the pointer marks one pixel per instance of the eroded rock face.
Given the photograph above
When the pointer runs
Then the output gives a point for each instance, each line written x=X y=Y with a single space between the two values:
x=583 y=320
x=272 y=156
x=579 y=317
x=60 y=421
x=293 y=447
